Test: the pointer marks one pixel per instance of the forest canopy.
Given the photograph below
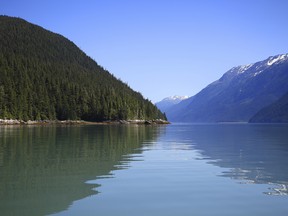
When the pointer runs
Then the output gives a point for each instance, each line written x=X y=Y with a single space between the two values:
x=44 y=76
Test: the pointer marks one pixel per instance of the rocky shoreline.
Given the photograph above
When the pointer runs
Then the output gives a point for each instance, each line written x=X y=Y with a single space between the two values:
x=81 y=122
x=146 y=122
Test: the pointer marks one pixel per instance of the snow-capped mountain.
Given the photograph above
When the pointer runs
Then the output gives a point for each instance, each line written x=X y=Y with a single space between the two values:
x=168 y=102
x=174 y=99
x=257 y=68
x=238 y=94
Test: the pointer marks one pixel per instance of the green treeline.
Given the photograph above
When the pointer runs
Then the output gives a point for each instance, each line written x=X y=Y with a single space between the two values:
x=45 y=76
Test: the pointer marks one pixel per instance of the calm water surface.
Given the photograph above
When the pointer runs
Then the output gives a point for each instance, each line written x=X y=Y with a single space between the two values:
x=179 y=169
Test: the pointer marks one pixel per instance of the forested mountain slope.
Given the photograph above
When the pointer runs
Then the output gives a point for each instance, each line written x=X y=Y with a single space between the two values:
x=43 y=75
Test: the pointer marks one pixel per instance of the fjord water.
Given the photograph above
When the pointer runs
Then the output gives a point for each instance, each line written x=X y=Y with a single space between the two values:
x=179 y=169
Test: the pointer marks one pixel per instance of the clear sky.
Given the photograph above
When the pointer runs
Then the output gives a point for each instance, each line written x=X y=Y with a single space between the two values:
x=164 y=47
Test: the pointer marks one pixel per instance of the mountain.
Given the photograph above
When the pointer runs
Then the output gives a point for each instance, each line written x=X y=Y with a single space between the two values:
x=276 y=112
x=168 y=102
x=238 y=95
x=46 y=76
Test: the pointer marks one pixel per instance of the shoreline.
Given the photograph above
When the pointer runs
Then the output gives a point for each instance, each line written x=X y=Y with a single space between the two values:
x=81 y=122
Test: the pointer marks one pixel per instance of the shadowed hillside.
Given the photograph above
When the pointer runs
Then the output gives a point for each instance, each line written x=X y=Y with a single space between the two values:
x=238 y=95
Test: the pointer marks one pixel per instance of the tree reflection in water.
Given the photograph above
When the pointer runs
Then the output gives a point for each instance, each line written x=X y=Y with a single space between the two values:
x=44 y=169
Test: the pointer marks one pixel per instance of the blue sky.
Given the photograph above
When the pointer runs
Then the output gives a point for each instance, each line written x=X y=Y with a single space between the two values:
x=164 y=47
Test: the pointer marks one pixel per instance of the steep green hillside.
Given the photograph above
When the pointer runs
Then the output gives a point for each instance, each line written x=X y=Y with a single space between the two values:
x=45 y=76
x=276 y=112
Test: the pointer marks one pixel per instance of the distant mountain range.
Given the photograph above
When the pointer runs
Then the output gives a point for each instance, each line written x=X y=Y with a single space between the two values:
x=168 y=102
x=239 y=95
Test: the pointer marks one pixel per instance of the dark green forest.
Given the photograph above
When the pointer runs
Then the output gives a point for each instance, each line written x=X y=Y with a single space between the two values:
x=44 y=76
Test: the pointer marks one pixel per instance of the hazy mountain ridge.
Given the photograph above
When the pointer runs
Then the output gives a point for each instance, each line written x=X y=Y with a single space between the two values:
x=237 y=95
x=168 y=102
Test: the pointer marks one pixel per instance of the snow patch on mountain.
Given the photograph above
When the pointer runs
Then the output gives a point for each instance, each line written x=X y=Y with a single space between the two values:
x=168 y=102
x=259 y=67
x=175 y=99
x=244 y=68
x=273 y=60
x=257 y=73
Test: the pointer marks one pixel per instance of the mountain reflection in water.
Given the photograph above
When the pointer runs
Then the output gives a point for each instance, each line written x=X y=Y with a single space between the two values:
x=44 y=169
x=252 y=153
x=165 y=170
